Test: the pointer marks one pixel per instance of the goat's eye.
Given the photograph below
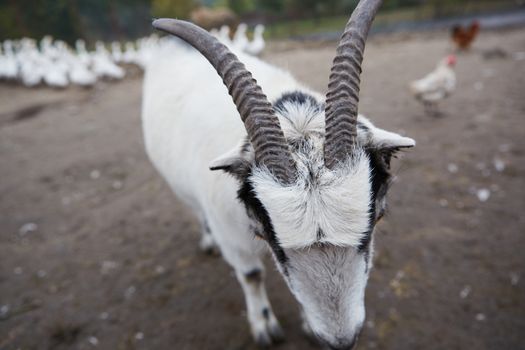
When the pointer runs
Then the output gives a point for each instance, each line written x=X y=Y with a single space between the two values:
x=258 y=234
x=380 y=215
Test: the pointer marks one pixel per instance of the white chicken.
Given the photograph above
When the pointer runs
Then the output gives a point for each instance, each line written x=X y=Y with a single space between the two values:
x=435 y=86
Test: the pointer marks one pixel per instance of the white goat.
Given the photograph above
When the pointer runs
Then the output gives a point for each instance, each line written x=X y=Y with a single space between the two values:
x=313 y=194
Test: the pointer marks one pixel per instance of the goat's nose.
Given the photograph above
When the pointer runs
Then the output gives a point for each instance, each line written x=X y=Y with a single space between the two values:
x=343 y=344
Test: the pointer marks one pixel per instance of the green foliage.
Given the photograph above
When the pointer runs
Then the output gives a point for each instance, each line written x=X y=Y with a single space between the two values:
x=241 y=6
x=172 y=8
x=37 y=17
x=272 y=6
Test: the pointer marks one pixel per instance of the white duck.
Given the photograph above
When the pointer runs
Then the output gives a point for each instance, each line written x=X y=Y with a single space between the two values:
x=79 y=73
x=81 y=52
x=8 y=62
x=57 y=72
x=103 y=66
x=31 y=70
x=130 y=54
x=146 y=48
x=240 y=41
x=256 y=46
x=224 y=36
x=116 y=52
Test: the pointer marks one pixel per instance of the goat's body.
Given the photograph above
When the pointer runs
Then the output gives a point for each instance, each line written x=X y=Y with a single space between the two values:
x=319 y=228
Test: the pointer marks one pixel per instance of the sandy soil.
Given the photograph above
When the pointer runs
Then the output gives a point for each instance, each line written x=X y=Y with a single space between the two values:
x=95 y=252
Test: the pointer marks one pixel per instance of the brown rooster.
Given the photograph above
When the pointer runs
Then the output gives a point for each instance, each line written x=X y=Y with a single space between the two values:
x=463 y=37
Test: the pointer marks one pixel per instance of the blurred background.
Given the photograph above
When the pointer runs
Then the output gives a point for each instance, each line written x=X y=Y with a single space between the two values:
x=97 y=253
x=129 y=19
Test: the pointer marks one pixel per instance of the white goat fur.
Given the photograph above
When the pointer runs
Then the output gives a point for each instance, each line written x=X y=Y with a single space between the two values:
x=190 y=123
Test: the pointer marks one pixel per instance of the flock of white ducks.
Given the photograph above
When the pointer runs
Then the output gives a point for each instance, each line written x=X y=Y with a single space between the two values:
x=240 y=40
x=54 y=63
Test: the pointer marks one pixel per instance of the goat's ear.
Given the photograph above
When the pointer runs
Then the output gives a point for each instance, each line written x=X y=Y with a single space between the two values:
x=386 y=139
x=382 y=139
x=236 y=161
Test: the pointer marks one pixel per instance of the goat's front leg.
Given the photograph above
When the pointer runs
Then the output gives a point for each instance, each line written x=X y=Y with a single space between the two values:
x=244 y=254
x=264 y=325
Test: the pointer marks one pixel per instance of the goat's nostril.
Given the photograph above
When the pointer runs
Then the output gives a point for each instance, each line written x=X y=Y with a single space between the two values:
x=343 y=344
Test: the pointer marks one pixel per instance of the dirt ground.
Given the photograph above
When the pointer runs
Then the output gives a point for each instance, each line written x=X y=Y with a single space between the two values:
x=96 y=253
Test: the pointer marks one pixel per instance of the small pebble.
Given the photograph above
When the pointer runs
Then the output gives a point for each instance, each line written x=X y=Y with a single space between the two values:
x=4 y=310
x=93 y=340
x=95 y=174
x=103 y=315
x=443 y=202
x=465 y=292
x=41 y=273
x=483 y=194
x=159 y=269
x=18 y=270
x=499 y=164
x=452 y=168
x=481 y=317
x=514 y=278
x=27 y=228
x=139 y=336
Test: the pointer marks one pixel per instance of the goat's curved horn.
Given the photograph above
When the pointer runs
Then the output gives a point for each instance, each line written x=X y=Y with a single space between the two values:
x=342 y=97
x=256 y=111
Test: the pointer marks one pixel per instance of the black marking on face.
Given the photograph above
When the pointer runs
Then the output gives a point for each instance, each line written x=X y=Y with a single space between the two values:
x=241 y=170
x=320 y=234
x=257 y=211
x=380 y=175
x=266 y=313
x=297 y=98
x=254 y=276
